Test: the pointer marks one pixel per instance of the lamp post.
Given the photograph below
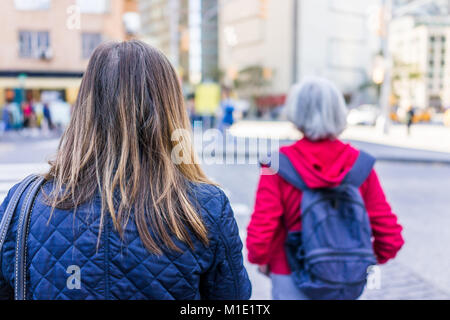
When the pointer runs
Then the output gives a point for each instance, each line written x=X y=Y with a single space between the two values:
x=295 y=34
x=387 y=66
x=174 y=7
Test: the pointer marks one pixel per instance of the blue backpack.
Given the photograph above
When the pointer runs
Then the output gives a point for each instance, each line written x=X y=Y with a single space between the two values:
x=330 y=256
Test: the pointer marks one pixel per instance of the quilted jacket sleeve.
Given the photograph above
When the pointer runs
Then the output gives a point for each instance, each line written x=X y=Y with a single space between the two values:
x=227 y=279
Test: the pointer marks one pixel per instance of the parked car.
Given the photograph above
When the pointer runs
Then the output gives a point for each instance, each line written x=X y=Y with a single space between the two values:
x=421 y=116
x=366 y=114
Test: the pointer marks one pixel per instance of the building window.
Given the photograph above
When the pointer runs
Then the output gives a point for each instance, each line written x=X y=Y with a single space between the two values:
x=93 y=7
x=34 y=44
x=32 y=4
x=89 y=42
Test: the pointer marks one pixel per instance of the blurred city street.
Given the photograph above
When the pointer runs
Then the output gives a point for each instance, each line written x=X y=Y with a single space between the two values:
x=417 y=190
x=238 y=63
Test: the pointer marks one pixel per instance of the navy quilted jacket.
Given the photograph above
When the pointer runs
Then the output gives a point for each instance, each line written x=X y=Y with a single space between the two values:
x=63 y=250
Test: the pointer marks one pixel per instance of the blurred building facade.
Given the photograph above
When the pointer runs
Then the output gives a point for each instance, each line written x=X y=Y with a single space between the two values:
x=420 y=7
x=420 y=46
x=257 y=35
x=46 y=44
x=295 y=38
x=187 y=32
x=156 y=25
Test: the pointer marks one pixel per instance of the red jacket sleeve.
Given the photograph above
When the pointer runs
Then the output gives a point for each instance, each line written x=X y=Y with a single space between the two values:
x=386 y=230
x=265 y=219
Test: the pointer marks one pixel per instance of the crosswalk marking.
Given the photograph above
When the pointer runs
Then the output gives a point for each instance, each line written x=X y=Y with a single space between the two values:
x=12 y=173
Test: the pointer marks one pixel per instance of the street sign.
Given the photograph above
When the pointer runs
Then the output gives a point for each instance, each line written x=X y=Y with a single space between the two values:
x=207 y=98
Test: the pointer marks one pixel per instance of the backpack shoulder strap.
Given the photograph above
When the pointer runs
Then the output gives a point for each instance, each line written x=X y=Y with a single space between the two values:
x=281 y=164
x=20 y=283
x=11 y=207
x=360 y=170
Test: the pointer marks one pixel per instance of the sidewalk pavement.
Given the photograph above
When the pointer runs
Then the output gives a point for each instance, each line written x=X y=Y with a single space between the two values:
x=28 y=135
x=396 y=282
x=427 y=143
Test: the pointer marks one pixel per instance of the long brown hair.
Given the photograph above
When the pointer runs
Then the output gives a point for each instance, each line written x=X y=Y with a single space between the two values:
x=118 y=143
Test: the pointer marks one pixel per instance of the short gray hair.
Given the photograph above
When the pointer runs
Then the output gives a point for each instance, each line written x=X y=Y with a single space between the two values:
x=317 y=108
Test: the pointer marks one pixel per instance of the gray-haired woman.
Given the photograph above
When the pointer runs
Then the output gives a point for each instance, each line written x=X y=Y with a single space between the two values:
x=321 y=160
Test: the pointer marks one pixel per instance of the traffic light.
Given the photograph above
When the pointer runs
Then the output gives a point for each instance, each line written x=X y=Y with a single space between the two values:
x=263 y=8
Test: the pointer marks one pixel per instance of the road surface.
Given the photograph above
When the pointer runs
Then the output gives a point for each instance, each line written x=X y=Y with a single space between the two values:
x=418 y=192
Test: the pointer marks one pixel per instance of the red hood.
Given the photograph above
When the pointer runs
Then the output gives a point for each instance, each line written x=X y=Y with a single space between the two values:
x=322 y=163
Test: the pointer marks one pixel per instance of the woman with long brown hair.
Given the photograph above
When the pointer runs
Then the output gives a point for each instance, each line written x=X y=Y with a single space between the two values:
x=116 y=217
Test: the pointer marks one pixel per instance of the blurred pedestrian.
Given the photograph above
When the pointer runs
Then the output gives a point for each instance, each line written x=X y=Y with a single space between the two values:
x=346 y=206
x=190 y=107
x=227 y=108
x=409 y=119
x=117 y=217
x=47 y=116
x=28 y=114
x=6 y=117
x=13 y=113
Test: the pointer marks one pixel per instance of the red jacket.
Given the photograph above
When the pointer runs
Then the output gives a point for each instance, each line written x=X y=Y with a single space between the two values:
x=320 y=164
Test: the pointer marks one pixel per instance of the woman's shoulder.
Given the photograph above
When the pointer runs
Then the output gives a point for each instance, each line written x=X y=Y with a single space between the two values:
x=204 y=192
x=210 y=198
x=215 y=209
